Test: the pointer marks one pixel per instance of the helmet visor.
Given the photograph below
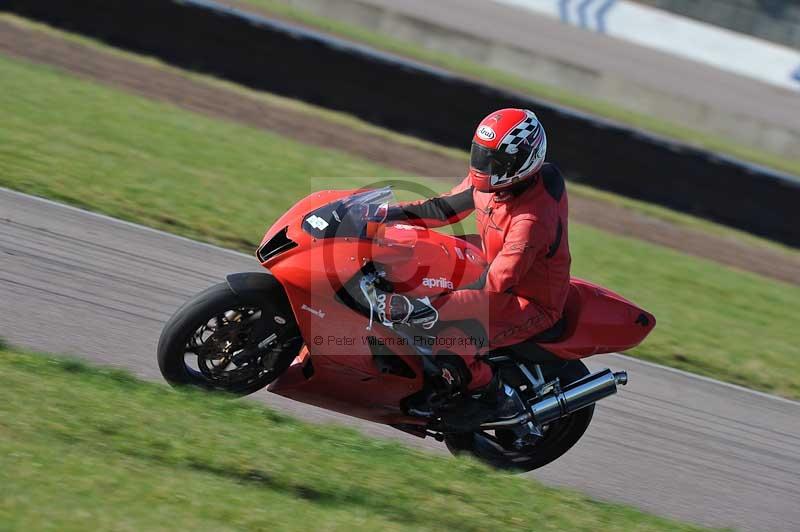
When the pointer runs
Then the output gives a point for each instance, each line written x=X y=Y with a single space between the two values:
x=489 y=162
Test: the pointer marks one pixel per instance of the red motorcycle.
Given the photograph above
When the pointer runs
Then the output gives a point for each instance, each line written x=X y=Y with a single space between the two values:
x=305 y=331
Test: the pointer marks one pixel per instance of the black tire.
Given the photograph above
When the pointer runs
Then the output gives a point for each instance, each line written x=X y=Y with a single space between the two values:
x=268 y=297
x=559 y=437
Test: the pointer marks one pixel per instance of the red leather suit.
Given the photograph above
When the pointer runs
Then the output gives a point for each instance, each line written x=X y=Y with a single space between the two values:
x=524 y=237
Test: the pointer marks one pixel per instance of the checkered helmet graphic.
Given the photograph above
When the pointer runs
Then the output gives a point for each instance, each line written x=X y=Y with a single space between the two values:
x=509 y=146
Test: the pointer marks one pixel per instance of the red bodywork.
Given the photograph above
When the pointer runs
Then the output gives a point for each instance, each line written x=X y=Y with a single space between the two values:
x=336 y=369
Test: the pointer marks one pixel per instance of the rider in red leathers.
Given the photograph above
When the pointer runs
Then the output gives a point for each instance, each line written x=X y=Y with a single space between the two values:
x=521 y=208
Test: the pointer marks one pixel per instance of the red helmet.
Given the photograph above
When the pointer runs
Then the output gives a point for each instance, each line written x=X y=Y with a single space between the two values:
x=508 y=147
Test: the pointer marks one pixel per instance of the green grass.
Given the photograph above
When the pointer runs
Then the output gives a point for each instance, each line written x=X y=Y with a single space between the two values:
x=314 y=111
x=540 y=90
x=131 y=158
x=96 y=449
x=351 y=122
x=221 y=182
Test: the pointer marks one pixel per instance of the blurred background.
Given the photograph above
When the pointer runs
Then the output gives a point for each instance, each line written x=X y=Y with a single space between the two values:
x=676 y=123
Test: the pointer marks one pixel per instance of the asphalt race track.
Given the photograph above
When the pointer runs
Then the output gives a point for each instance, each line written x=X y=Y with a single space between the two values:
x=670 y=443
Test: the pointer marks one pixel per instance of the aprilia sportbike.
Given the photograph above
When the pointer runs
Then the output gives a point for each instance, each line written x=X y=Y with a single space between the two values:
x=305 y=330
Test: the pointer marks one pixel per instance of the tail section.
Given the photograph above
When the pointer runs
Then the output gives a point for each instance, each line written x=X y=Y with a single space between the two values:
x=600 y=321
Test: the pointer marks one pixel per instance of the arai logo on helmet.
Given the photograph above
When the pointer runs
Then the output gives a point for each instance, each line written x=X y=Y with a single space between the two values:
x=486 y=133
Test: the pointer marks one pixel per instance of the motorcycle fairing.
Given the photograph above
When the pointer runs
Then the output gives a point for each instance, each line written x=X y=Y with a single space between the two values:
x=599 y=321
x=337 y=369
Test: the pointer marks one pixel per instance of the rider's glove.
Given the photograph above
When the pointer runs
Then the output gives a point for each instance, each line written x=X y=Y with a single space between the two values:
x=391 y=309
x=415 y=312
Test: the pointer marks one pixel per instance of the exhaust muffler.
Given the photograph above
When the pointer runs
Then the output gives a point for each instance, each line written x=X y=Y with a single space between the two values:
x=571 y=398
x=577 y=395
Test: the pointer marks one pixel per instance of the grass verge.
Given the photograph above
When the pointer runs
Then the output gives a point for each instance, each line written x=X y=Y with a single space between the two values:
x=354 y=123
x=550 y=93
x=221 y=182
x=84 y=448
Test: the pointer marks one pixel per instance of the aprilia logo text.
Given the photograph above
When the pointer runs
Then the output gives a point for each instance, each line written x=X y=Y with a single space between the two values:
x=441 y=282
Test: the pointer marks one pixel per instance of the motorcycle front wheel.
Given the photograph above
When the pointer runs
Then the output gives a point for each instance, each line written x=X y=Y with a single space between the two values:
x=496 y=448
x=234 y=342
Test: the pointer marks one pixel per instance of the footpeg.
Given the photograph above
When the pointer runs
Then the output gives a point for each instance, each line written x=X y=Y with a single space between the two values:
x=527 y=434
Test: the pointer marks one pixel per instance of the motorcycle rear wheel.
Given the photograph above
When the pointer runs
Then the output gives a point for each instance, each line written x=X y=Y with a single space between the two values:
x=199 y=344
x=497 y=450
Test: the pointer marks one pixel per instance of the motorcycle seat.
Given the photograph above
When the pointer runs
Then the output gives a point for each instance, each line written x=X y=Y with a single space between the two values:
x=553 y=334
x=531 y=350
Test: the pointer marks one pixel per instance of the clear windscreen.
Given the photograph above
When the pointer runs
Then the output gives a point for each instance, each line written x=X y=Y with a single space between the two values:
x=353 y=216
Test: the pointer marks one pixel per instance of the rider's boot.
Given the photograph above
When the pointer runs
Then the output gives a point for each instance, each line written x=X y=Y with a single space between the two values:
x=441 y=391
x=495 y=402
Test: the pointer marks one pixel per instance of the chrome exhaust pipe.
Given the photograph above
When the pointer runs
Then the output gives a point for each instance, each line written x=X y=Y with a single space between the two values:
x=577 y=395
x=573 y=397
